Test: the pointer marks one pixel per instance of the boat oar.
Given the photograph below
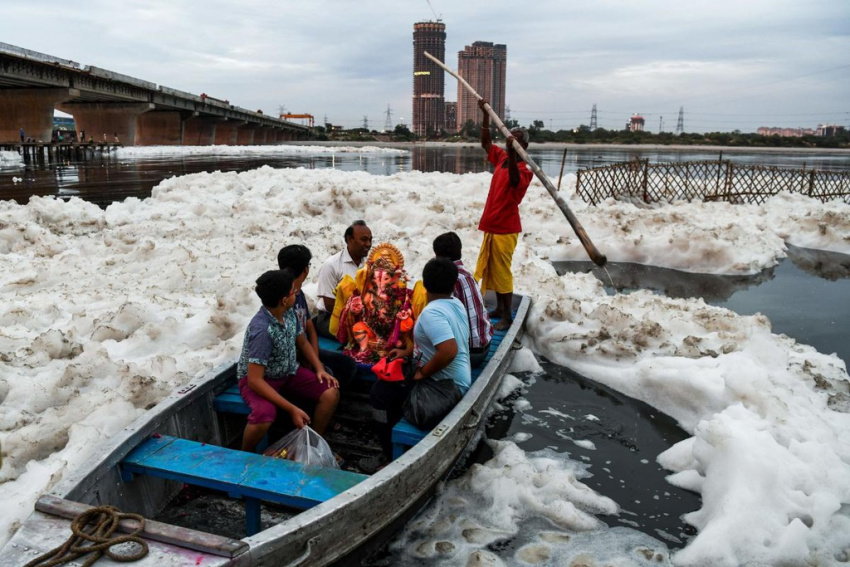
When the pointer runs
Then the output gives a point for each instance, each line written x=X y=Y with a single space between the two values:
x=597 y=257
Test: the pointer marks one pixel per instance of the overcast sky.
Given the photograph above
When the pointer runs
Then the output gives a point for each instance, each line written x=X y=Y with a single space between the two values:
x=731 y=64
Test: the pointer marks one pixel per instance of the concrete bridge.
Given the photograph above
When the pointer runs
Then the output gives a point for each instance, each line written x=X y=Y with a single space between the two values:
x=136 y=112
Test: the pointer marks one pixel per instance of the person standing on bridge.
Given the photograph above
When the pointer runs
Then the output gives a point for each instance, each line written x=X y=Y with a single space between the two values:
x=22 y=134
x=500 y=220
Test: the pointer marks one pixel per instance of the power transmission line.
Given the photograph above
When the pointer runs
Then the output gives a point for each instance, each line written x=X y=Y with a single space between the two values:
x=388 y=123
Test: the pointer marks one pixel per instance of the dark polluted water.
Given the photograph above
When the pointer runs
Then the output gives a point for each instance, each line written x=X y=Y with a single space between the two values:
x=565 y=411
x=806 y=296
x=617 y=438
x=105 y=178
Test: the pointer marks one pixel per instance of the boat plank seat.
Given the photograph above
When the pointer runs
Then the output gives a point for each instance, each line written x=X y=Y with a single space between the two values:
x=230 y=401
x=406 y=435
x=248 y=475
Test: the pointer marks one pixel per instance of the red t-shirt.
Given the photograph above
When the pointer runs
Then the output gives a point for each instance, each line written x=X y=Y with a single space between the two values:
x=501 y=212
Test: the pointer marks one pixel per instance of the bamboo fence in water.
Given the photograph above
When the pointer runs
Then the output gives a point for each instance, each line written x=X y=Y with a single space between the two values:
x=719 y=180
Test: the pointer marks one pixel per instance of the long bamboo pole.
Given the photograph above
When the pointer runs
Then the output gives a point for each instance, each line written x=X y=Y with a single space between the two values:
x=561 y=175
x=597 y=257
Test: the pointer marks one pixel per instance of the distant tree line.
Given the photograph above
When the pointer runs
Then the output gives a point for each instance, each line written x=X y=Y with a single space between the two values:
x=471 y=132
x=584 y=135
x=401 y=133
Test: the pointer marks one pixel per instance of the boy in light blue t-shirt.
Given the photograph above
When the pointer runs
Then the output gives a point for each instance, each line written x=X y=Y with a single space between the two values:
x=441 y=335
x=442 y=321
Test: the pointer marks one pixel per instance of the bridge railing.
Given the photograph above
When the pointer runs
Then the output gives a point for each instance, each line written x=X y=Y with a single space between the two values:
x=120 y=77
x=43 y=57
x=719 y=180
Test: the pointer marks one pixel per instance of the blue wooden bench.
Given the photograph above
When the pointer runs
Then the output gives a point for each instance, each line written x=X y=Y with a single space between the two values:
x=230 y=401
x=248 y=475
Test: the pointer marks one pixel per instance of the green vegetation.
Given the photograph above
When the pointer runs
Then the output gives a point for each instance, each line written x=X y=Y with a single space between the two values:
x=583 y=135
x=400 y=134
x=471 y=132
x=403 y=134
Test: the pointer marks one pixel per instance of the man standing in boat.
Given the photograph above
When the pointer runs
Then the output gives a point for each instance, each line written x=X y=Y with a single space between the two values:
x=268 y=366
x=358 y=242
x=500 y=220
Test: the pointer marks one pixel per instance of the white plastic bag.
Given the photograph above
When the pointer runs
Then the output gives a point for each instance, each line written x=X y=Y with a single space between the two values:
x=303 y=446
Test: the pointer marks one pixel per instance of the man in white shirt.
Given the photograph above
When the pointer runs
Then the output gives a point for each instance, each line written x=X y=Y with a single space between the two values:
x=358 y=242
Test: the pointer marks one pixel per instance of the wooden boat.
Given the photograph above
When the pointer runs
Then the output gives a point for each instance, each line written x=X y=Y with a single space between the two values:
x=330 y=515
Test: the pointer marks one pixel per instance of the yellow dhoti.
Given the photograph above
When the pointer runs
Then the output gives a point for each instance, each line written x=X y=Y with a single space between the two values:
x=493 y=270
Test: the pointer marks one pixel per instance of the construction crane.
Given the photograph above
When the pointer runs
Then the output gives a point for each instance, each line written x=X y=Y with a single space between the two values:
x=440 y=17
x=287 y=116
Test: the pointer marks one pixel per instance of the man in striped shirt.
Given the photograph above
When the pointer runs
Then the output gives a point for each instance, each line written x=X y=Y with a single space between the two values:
x=448 y=245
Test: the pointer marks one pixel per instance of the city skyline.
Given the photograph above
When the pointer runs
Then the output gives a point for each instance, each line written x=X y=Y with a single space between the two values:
x=732 y=66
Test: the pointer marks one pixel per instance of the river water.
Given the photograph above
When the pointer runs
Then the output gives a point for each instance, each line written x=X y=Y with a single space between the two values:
x=106 y=177
x=629 y=434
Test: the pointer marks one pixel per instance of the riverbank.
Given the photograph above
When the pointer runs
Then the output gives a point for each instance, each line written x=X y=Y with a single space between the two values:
x=562 y=145
x=135 y=171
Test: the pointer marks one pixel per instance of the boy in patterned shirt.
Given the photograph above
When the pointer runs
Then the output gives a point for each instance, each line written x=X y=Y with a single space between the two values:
x=268 y=366
x=296 y=258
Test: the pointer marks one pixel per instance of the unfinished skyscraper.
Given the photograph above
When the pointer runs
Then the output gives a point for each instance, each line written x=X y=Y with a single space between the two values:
x=428 y=78
x=482 y=64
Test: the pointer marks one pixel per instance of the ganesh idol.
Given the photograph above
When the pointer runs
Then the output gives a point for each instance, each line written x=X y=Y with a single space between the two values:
x=374 y=312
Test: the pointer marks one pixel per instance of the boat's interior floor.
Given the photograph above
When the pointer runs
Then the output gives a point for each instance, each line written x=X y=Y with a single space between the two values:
x=350 y=436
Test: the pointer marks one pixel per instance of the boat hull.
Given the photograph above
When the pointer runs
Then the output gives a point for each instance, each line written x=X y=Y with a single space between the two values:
x=347 y=525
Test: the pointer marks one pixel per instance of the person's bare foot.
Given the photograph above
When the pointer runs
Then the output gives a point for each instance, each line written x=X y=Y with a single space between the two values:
x=502 y=324
x=495 y=314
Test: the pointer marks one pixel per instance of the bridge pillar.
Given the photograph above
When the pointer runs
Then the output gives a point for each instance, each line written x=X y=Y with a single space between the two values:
x=264 y=135
x=201 y=130
x=159 y=128
x=274 y=136
x=245 y=135
x=32 y=110
x=107 y=119
x=226 y=132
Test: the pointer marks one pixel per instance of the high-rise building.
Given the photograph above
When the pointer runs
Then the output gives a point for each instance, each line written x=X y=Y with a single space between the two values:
x=483 y=65
x=635 y=123
x=428 y=78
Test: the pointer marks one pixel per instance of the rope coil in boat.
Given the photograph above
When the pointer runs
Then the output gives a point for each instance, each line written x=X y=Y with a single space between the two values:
x=96 y=526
